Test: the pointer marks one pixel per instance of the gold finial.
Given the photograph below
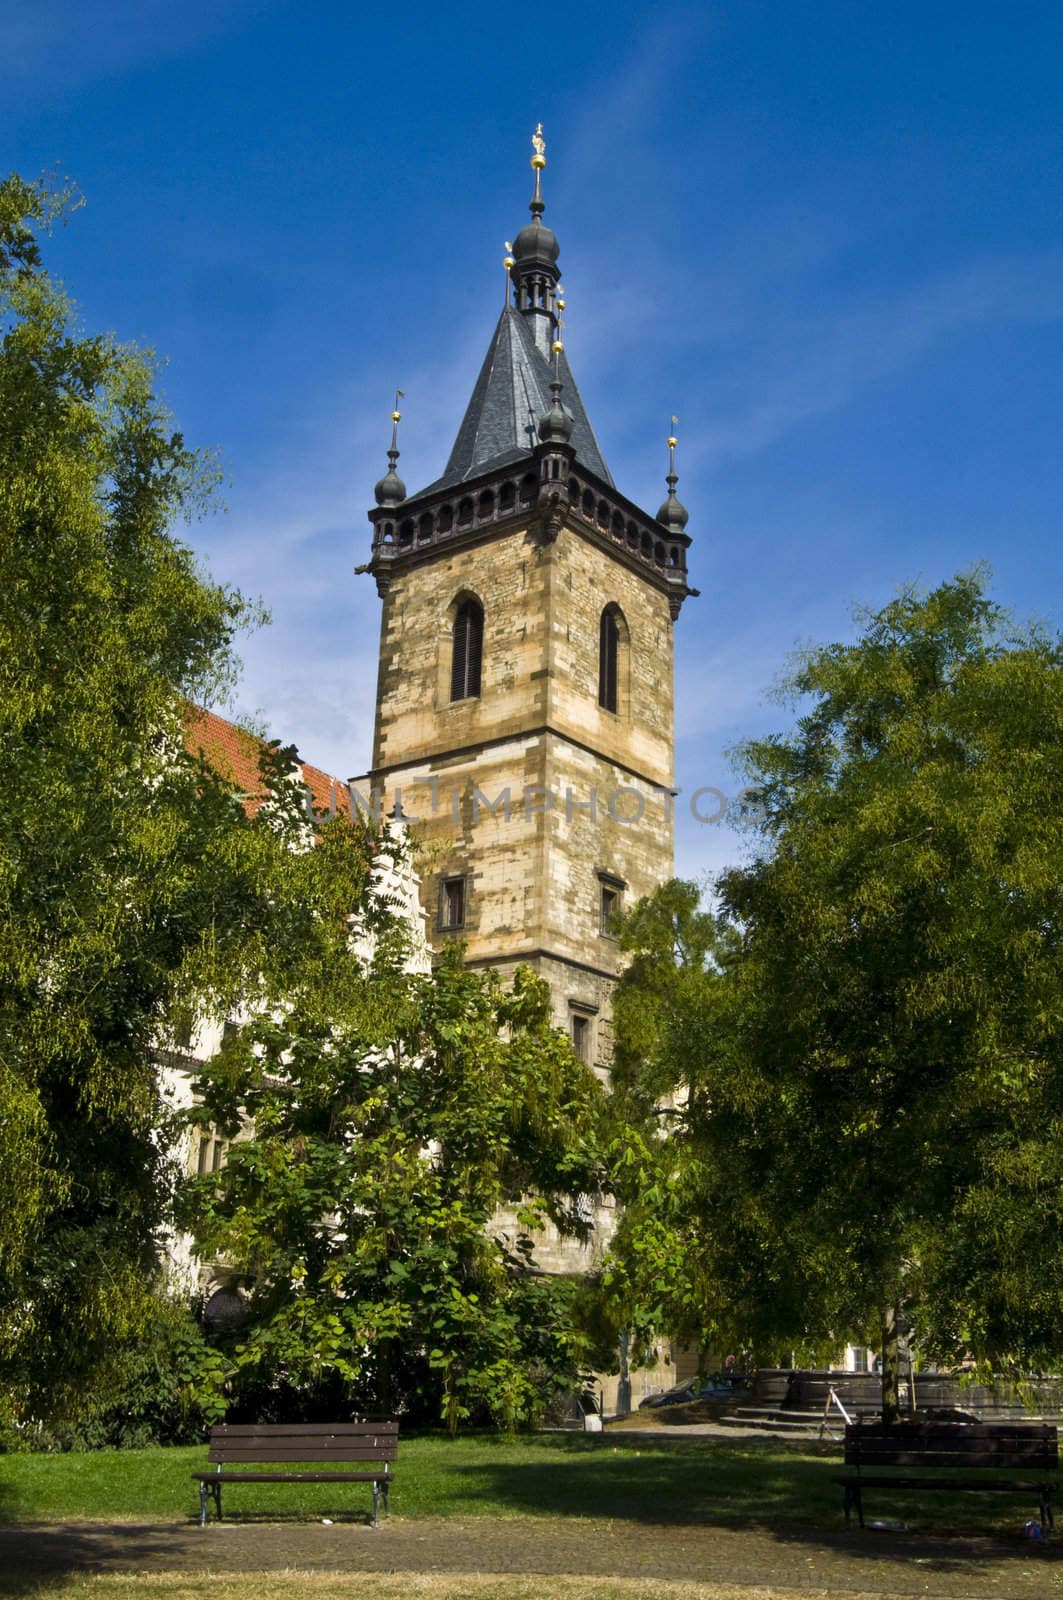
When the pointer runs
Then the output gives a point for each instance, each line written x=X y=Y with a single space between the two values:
x=509 y=263
x=672 y=442
x=396 y=418
x=558 y=345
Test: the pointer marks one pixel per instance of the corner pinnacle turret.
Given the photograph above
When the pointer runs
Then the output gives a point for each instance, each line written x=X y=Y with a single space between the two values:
x=673 y=514
x=390 y=490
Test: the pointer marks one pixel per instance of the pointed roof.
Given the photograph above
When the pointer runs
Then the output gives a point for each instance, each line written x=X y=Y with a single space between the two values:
x=511 y=395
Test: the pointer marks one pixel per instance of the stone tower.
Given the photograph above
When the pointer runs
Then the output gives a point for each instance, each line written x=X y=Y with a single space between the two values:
x=524 y=706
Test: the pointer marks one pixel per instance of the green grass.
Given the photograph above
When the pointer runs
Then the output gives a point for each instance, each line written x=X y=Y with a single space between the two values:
x=702 y=1481
x=440 y=1477
x=389 y=1586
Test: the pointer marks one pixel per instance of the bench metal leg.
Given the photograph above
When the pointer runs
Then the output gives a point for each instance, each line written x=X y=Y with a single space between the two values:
x=1048 y=1520
x=853 y=1498
x=376 y=1504
x=208 y=1488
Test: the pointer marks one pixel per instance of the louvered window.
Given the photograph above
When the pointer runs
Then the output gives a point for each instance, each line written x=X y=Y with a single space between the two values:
x=608 y=653
x=468 y=651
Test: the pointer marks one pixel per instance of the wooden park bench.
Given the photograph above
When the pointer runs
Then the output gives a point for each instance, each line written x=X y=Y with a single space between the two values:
x=268 y=1444
x=964 y=1456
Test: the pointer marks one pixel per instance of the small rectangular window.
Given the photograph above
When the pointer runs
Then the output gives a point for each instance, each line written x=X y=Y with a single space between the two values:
x=203 y=1164
x=231 y=1029
x=610 y=901
x=218 y=1157
x=581 y=1035
x=452 y=903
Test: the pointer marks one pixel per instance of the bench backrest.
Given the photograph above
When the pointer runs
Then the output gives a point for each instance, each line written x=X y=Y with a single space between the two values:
x=1033 y=1445
x=304 y=1441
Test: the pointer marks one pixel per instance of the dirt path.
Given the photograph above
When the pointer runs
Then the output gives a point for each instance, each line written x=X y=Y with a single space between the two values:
x=875 y=1563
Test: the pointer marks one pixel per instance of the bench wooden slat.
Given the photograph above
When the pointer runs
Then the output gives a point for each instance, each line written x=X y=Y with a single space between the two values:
x=957 y=1458
x=291 y=1477
x=277 y=1430
x=935 y=1429
x=955 y=1485
x=302 y=1452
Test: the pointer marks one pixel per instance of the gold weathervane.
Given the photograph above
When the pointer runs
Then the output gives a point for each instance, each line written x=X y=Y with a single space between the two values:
x=538 y=162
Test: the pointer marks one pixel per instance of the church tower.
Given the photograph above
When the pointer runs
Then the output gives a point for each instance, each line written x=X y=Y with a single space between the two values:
x=524 y=707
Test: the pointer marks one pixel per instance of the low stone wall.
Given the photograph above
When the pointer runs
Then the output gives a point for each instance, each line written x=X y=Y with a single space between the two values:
x=803 y=1389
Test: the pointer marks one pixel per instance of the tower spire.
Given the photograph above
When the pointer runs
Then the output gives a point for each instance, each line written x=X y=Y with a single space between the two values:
x=535 y=252
x=673 y=513
x=391 y=491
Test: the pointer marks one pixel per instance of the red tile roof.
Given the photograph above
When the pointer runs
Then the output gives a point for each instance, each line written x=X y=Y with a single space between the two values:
x=233 y=752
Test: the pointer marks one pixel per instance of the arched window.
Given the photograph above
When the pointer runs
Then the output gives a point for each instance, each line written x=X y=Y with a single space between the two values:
x=468 y=650
x=609 y=660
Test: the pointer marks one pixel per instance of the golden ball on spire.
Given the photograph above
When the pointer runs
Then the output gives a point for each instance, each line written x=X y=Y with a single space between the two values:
x=672 y=441
x=396 y=416
x=557 y=347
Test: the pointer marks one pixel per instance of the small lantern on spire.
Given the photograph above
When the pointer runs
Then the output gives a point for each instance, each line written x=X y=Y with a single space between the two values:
x=673 y=514
x=391 y=491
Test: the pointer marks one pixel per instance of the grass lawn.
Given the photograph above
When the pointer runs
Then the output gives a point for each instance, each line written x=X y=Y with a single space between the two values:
x=704 y=1481
x=396 y=1586
x=541 y=1475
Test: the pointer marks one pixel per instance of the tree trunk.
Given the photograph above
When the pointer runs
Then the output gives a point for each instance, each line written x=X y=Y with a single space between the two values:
x=891 y=1366
x=623 y=1388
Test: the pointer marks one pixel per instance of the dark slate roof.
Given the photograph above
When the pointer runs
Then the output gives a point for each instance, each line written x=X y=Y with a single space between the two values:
x=511 y=394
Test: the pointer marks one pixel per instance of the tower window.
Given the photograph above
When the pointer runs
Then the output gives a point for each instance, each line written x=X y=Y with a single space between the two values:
x=468 y=651
x=610 y=900
x=608 y=659
x=581 y=1028
x=452 y=903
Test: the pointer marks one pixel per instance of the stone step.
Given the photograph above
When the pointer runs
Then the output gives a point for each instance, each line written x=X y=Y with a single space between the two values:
x=776 y=1413
x=771 y=1424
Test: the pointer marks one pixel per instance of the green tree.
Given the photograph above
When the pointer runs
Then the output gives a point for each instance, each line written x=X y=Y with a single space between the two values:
x=664 y=1020
x=876 y=1125
x=132 y=881
x=388 y=1128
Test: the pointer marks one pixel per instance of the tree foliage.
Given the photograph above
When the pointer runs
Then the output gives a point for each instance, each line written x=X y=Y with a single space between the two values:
x=361 y=1213
x=131 y=879
x=875 y=1116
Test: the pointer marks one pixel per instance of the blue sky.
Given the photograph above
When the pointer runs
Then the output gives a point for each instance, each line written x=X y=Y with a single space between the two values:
x=828 y=236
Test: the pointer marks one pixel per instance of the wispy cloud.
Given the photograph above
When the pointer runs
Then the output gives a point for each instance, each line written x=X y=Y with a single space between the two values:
x=61 y=42
x=809 y=365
